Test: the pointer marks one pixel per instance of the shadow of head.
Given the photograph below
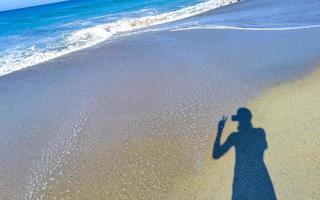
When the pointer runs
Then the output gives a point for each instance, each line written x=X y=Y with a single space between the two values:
x=243 y=115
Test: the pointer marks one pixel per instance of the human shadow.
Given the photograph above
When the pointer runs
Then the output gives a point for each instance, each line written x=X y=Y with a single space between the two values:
x=251 y=179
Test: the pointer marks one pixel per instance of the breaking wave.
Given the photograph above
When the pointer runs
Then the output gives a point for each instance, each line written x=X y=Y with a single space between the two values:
x=21 y=57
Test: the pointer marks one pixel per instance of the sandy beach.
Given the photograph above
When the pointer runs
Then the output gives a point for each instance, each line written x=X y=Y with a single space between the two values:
x=135 y=116
x=288 y=113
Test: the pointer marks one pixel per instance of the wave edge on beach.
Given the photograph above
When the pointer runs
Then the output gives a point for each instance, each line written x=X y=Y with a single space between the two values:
x=88 y=37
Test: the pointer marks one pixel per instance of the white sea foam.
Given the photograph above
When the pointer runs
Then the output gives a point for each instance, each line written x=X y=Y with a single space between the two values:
x=53 y=158
x=197 y=27
x=16 y=60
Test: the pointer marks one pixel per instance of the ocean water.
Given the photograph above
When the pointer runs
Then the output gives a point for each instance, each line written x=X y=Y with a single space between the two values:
x=32 y=35
x=263 y=15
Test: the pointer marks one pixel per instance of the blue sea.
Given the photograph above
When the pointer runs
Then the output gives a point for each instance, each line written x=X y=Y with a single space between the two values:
x=32 y=35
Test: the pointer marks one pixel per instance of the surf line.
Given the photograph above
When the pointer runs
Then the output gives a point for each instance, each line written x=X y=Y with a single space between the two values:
x=246 y=28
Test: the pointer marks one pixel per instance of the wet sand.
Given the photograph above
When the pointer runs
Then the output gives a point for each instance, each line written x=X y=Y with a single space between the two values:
x=133 y=118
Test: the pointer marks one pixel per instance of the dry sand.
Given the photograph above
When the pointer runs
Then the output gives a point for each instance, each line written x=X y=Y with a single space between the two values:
x=289 y=114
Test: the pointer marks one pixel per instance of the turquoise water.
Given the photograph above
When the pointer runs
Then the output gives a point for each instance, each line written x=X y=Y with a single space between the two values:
x=33 y=35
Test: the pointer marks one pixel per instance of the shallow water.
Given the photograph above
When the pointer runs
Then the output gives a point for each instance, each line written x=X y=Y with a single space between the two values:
x=33 y=35
x=57 y=29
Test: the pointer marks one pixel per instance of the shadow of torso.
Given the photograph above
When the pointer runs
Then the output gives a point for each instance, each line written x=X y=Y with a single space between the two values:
x=251 y=178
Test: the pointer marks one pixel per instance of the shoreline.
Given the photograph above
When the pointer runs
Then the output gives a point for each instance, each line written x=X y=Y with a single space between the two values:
x=90 y=37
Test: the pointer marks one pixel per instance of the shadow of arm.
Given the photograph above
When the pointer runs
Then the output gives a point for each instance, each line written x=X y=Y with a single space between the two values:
x=218 y=149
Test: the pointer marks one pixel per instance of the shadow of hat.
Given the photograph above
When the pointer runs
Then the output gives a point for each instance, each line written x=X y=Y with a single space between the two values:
x=243 y=114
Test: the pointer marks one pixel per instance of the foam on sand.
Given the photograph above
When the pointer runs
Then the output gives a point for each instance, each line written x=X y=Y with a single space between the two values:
x=207 y=27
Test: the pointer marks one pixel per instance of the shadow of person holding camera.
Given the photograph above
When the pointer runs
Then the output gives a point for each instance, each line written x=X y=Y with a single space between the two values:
x=251 y=179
